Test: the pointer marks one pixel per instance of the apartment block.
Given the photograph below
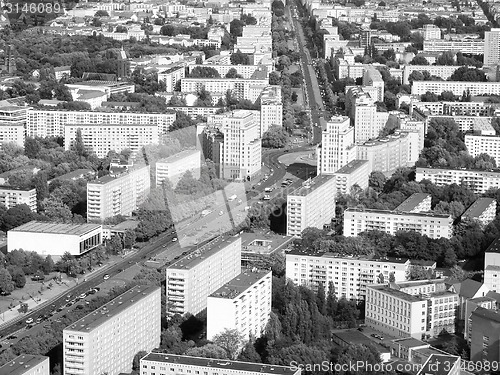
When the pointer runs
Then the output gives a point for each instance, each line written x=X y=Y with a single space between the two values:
x=271 y=108
x=51 y=123
x=11 y=196
x=193 y=278
x=483 y=144
x=27 y=364
x=101 y=139
x=171 y=76
x=118 y=330
x=411 y=308
x=477 y=181
x=492 y=47
x=349 y=275
x=211 y=142
x=456 y=87
x=475 y=109
x=246 y=71
x=312 y=205
x=175 y=166
x=483 y=210
x=490 y=302
x=485 y=336
x=386 y=154
x=417 y=202
x=441 y=71
x=337 y=146
x=429 y=224
x=431 y=32
x=13 y=125
x=241 y=88
x=119 y=193
x=472 y=46
x=373 y=78
x=165 y=364
x=368 y=122
x=356 y=173
x=491 y=276
x=243 y=304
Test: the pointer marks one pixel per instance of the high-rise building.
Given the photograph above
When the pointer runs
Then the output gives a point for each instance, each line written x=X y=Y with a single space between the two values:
x=492 y=47
x=456 y=87
x=174 y=167
x=312 y=205
x=171 y=76
x=193 y=278
x=241 y=88
x=11 y=196
x=9 y=65
x=106 y=340
x=337 y=146
x=368 y=122
x=271 y=108
x=356 y=173
x=491 y=277
x=483 y=144
x=212 y=141
x=244 y=304
x=13 y=124
x=373 y=78
x=27 y=364
x=431 y=32
x=485 y=336
x=119 y=193
x=348 y=275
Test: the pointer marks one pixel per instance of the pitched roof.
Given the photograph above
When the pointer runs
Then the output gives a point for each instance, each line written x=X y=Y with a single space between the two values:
x=469 y=287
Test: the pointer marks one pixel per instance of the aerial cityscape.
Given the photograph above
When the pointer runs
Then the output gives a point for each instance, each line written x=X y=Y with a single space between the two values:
x=249 y=187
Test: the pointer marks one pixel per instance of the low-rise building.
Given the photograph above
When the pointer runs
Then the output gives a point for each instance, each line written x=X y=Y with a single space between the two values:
x=432 y=225
x=27 y=364
x=356 y=172
x=243 y=304
x=174 y=167
x=11 y=196
x=55 y=239
x=482 y=210
x=476 y=180
x=417 y=202
x=312 y=205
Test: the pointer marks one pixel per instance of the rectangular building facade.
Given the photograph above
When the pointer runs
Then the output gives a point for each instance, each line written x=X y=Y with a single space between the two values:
x=477 y=181
x=11 y=196
x=483 y=144
x=485 y=336
x=175 y=166
x=356 y=172
x=106 y=340
x=456 y=87
x=483 y=210
x=193 y=278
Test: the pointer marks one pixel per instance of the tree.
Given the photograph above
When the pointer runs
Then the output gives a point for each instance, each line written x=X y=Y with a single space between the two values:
x=249 y=354
x=446 y=58
x=129 y=239
x=56 y=210
x=377 y=180
x=429 y=97
x=419 y=273
x=233 y=73
x=182 y=121
x=465 y=73
x=177 y=101
x=294 y=97
x=18 y=277
x=16 y=216
x=447 y=96
x=236 y=27
x=31 y=147
x=204 y=72
x=239 y=58
x=136 y=361
x=419 y=60
x=6 y=283
x=208 y=351
x=204 y=98
x=231 y=341
x=275 y=137
x=79 y=146
x=101 y=13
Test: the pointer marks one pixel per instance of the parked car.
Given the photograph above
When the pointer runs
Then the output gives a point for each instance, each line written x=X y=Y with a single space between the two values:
x=29 y=320
x=174 y=239
x=106 y=277
x=83 y=295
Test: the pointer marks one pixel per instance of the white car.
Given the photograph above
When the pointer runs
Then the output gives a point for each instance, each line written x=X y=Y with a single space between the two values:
x=106 y=277
x=29 y=321
x=174 y=239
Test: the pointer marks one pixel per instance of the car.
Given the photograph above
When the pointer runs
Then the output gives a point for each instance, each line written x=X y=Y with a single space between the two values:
x=174 y=239
x=68 y=297
x=60 y=309
x=105 y=277
x=80 y=307
x=83 y=295
x=97 y=289
x=374 y=335
x=240 y=201
x=221 y=213
x=29 y=320
x=380 y=337
x=39 y=320
x=91 y=291
x=164 y=246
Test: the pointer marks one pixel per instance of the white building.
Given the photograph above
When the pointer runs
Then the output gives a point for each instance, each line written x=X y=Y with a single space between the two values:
x=55 y=239
x=482 y=210
x=271 y=108
x=163 y=364
x=373 y=78
x=348 y=275
x=472 y=46
x=13 y=125
x=119 y=330
x=244 y=304
x=456 y=87
x=27 y=364
x=411 y=308
x=431 y=32
x=119 y=193
x=356 y=172
x=337 y=146
x=483 y=144
x=11 y=196
x=428 y=224
x=171 y=76
x=478 y=181
x=492 y=47
x=174 y=167
x=312 y=205
x=193 y=278
x=442 y=71
x=417 y=202
x=368 y=122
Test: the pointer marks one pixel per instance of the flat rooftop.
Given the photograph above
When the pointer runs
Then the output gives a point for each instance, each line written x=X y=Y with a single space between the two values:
x=112 y=308
x=56 y=228
x=396 y=293
x=410 y=342
x=494 y=172
x=7 y=187
x=263 y=243
x=108 y=178
x=351 y=166
x=384 y=140
x=477 y=208
x=389 y=212
x=203 y=252
x=412 y=202
x=22 y=364
x=316 y=183
x=353 y=336
x=346 y=258
x=239 y=284
x=179 y=156
x=76 y=174
x=219 y=363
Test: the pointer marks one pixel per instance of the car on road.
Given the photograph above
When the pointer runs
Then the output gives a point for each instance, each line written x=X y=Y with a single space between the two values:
x=267 y=197
x=174 y=239
x=29 y=320
x=83 y=295
x=221 y=213
x=39 y=320
x=61 y=308
x=68 y=297
x=105 y=277
x=164 y=246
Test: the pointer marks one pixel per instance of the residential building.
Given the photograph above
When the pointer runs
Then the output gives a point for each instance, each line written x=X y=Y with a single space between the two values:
x=441 y=71
x=385 y=154
x=431 y=32
x=27 y=364
x=211 y=142
x=171 y=76
x=101 y=139
x=428 y=224
x=337 y=145
x=478 y=181
x=194 y=112
x=492 y=47
x=243 y=304
x=346 y=338
x=62 y=71
x=456 y=87
x=349 y=275
x=483 y=210
x=194 y=277
x=312 y=205
x=246 y=71
x=483 y=144
x=368 y=122
x=417 y=202
x=445 y=364
x=411 y=308
x=466 y=290
x=373 y=78
x=271 y=108
x=51 y=123
x=174 y=167
x=119 y=330
x=55 y=239
x=13 y=124
x=11 y=196
x=491 y=301
x=472 y=46
x=485 y=336
x=491 y=277
x=119 y=193
x=355 y=172
x=162 y=364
